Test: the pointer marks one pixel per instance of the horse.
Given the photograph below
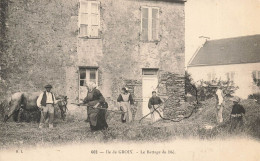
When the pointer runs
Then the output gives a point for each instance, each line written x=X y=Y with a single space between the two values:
x=20 y=101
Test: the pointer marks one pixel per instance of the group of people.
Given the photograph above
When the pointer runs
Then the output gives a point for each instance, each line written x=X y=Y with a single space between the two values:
x=237 y=116
x=97 y=106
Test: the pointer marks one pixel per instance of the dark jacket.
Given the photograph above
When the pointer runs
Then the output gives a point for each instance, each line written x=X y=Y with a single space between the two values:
x=238 y=109
x=96 y=98
x=154 y=101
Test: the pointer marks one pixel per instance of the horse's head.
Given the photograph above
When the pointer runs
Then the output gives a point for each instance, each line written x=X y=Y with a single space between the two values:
x=62 y=102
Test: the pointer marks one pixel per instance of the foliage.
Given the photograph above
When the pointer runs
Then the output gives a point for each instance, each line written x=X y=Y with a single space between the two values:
x=256 y=81
x=255 y=96
x=190 y=87
x=202 y=90
x=228 y=87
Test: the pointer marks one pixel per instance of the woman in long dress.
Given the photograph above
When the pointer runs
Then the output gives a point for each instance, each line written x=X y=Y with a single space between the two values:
x=125 y=100
x=96 y=108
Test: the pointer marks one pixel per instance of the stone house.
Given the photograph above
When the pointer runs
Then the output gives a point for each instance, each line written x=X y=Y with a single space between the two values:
x=235 y=59
x=114 y=43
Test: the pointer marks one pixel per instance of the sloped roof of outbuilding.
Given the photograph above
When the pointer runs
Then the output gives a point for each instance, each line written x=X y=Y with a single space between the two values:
x=236 y=50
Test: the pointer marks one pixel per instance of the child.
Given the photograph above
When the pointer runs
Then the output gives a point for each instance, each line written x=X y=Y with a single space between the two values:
x=237 y=114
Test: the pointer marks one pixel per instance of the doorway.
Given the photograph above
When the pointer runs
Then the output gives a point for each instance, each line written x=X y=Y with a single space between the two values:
x=149 y=84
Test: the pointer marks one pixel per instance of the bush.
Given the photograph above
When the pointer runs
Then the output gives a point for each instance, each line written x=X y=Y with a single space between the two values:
x=203 y=90
x=228 y=87
x=255 y=96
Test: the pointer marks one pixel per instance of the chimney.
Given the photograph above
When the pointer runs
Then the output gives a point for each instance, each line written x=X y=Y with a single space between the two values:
x=203 y=39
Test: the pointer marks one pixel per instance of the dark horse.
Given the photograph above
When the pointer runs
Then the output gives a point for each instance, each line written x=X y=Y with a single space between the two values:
x=27 y=101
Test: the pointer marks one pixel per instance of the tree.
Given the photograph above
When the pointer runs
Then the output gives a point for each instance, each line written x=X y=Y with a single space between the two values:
x=204 y=89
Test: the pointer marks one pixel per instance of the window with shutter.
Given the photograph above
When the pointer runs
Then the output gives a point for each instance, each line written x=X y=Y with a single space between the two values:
x=155 y=23
x=230 y=76
x=89 y=19
x=209 y=77
x=145 y=24
x=256 y=76
x=150 y=23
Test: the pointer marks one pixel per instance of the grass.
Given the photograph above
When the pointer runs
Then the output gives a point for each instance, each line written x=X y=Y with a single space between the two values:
x=77 y=131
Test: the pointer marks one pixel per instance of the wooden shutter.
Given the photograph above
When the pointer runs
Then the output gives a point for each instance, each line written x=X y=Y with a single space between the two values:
x=232 y=76
x=94 y=19
x=83 y=18
x=254 y=74
x=213 y=76
x=209 y=76
x=145 y=13
x=228 y=76
x=155 y=23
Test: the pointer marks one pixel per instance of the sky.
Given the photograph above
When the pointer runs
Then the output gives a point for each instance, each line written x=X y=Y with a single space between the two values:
x=218 y=19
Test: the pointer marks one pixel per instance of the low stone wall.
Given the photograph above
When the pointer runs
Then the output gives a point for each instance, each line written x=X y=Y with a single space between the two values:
x=172 y=90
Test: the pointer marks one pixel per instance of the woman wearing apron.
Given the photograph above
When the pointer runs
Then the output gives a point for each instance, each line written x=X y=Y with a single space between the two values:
x=125 y=100
x=95 y=108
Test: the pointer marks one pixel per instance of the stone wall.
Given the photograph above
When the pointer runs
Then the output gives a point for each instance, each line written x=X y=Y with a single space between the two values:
x=41 y=38
x=121 y=55
x=172 y=90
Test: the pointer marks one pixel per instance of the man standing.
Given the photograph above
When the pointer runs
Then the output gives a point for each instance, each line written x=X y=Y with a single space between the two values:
x=46 y=102
x=219 y=104
x=153 y=105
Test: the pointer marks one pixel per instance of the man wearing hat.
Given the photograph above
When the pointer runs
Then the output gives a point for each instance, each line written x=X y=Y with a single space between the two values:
x=237 y=114
x=46 y=102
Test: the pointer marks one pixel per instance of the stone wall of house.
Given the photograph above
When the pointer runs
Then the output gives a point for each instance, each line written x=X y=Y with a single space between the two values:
x=3 y=45
x=41 y=41
x=121 y=55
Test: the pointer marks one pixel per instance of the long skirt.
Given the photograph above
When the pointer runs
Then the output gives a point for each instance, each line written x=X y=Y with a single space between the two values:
x=127 y=113
x=237 y=124
x=97 y=118
x=155 y=113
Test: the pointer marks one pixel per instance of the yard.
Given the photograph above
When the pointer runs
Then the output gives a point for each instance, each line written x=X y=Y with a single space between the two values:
x=200 y=125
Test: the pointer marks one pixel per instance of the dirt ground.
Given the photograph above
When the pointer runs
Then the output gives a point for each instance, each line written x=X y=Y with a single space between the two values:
x=200 y=125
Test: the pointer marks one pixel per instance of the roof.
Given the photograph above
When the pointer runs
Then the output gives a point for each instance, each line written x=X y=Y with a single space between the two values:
x=236 y=50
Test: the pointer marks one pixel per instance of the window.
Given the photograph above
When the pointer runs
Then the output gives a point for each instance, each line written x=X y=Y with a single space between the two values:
x=89 y=19
x=256 y=77
x=150 y=71
x=150 y=23
x=87 y=74
x=82 y=77
x=230 y=76
x=211 y=76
